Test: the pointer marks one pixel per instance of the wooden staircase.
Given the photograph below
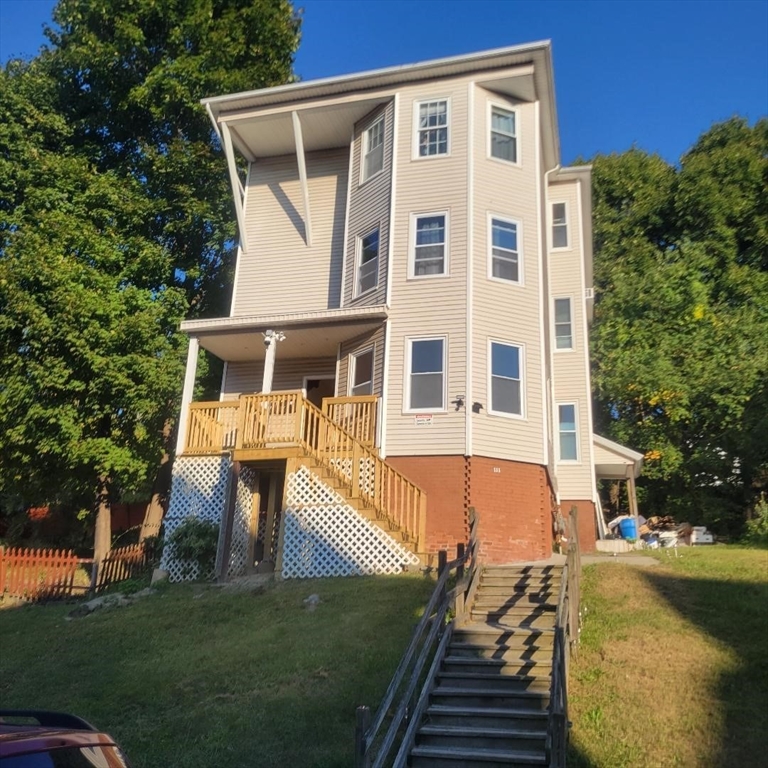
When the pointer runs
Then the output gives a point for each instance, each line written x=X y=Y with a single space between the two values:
x=489 y=702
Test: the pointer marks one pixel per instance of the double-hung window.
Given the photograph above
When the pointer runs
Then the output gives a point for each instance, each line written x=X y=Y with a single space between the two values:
x=563 y=324
x=503 y=138
x=505 y=251
x=368 y=263
x=432 y=128
x=426 y=374
x=506 y=379
x=362 y=373
x=567 y=427
x=559 y=225
x=373 y=149
x=430 y=244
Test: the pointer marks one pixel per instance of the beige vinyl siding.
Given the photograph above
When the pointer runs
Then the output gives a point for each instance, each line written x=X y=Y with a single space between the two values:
x=431 y=306
x=505 y=311
x=368 y=209
x=245 y=378
x=279 y=272
x=373 y=339
x=570 y=380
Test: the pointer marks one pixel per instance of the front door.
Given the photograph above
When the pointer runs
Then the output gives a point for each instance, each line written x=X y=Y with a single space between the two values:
x=317 y=389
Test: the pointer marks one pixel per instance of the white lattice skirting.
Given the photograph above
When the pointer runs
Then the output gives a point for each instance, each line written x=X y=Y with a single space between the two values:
x=324 y=536
x=198 y=489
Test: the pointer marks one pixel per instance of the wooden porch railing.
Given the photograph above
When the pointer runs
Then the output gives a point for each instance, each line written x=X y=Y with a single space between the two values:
x=356 y=415
x=287 y=418
x=212 y=427
x=565 y=646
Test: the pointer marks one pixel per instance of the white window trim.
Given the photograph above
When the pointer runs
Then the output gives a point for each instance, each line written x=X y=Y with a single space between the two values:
x=551 y=219
x=520 y=261
x=557 y=350
x=353 y=366
x=560 y=460
x=415 y=128
x=364 y=143
x=356 y=293
x=407 y=385
x=412 y=246
x=523 y=416
x=489 y=122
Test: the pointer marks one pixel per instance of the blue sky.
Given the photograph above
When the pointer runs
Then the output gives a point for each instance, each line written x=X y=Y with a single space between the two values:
x=651 y=73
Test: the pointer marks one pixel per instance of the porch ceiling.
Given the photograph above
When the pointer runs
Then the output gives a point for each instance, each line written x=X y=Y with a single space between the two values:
x=307 y=334
x=614 y=461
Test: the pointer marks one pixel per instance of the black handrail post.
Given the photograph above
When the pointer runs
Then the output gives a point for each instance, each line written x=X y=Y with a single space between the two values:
x=460 y=557
x=362 y=724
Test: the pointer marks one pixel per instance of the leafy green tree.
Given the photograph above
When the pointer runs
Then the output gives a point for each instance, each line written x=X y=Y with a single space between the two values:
x=115 y=223
x=680 y=359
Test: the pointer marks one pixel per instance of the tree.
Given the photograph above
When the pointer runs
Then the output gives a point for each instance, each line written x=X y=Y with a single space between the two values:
x=680 y=361
x=116 y=223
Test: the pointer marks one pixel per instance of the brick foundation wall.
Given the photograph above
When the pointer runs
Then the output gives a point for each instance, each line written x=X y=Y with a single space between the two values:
x=444 y=480
x=587 y=521
x=514 y=501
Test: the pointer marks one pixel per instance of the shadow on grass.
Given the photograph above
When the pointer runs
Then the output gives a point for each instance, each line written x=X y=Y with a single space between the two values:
x=735 y=613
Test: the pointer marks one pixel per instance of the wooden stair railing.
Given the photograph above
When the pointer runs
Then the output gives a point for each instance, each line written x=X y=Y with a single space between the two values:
x=356 y=415
x=287 y=418
x=211 y=427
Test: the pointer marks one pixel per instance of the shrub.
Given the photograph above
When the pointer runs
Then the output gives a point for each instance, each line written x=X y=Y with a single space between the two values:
x=195 y=542
x=756 y=529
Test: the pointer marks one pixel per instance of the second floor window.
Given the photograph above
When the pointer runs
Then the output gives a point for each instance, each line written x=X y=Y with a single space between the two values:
x=506 y=379
x=503 y=134
x=426 y=374
x=432 y=128
x=559 y=225
x=563 y=326
x=567 y=426
x=430 y=244
x=505 y=255
x=362 y=373
x=373 y=149
x=368 y=263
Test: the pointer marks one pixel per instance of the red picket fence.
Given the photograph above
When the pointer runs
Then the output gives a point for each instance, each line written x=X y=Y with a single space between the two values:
x=49 y=574
x=37 y=574
x=121 y=564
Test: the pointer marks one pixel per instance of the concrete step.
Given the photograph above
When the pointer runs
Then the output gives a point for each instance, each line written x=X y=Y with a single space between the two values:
x=487 y=717
x=481 y=696
x=492 y=681
x=480 y=737
x=508 y=619
x=515 y=653
x=503 y=667
x=442 y=757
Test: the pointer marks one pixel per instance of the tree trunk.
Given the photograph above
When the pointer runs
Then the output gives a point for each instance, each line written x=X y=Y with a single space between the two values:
x=161 y=490
x=102 y=536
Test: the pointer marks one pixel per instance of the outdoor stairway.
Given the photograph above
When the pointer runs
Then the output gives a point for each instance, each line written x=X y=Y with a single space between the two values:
x=489 y=704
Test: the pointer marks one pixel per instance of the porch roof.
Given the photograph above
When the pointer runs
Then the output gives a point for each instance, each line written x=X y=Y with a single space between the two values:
x=315 y=333
x=614 y=461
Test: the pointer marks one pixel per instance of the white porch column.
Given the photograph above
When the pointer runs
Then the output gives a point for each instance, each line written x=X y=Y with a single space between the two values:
x=270 y=341
x=188 y=391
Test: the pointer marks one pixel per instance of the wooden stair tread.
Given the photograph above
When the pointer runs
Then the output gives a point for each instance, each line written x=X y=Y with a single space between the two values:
x=460 y=730
x=508 y=712
x=488 y=755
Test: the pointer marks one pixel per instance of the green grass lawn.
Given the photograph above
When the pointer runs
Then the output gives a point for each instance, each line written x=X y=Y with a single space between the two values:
x=673 y=664
x=197 y=676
